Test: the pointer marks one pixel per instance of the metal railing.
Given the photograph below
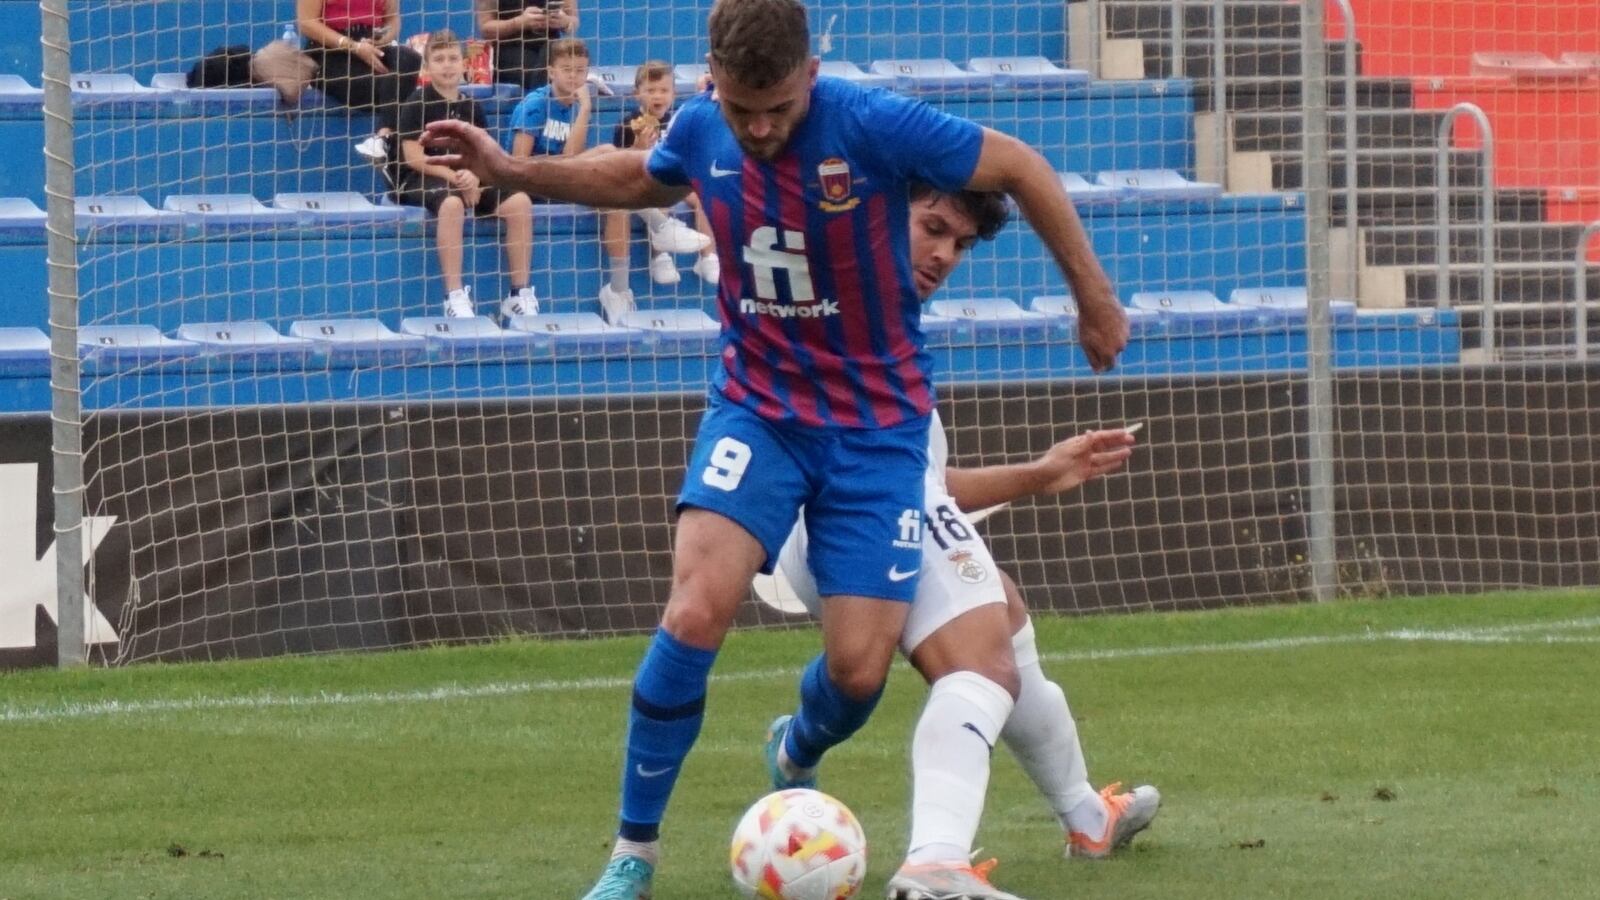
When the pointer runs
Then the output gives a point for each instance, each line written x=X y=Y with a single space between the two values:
x=1219 y=87
x=1485 y=216
x=1580 y=269
x=1352 y=251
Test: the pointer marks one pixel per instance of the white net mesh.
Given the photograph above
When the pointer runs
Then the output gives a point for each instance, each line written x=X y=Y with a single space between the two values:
x=299 y=457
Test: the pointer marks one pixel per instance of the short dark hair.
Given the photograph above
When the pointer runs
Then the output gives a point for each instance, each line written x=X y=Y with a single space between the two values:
x=443 y=39
x=653 y=70
x=563 y=48
x=988 y=210
x=759 y=43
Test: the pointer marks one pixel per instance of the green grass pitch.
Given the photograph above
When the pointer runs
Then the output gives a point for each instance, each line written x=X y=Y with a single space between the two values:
x=1442 y=747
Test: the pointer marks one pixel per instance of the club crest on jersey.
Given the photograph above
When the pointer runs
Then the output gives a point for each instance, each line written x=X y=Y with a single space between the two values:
x=968 y=569
x=834 y=173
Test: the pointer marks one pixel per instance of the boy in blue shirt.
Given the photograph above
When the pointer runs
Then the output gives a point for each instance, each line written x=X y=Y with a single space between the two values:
x=554 y=120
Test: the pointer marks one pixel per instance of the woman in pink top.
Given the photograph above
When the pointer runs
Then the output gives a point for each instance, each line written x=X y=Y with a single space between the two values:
x=359 y=62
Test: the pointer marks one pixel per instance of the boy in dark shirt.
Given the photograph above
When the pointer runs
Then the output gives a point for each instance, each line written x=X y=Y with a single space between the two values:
x=642 y=125
x=449 y=193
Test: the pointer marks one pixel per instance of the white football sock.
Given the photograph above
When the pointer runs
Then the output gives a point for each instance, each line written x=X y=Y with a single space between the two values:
x=654 y=218
x=950 y=765
x=1043 y=737
x=649 y=851
x=619 y=274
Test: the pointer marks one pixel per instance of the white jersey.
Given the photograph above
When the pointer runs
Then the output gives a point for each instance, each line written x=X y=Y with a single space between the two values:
x=957 y=574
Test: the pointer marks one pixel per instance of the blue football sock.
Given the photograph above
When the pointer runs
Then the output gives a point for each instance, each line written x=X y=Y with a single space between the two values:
x=827 y=717
x=669 y=700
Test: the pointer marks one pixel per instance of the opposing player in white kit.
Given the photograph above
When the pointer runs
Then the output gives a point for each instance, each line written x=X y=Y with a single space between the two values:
x=969 y=635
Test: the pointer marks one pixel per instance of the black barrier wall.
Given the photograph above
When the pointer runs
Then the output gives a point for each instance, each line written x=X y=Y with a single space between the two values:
x=256 y=532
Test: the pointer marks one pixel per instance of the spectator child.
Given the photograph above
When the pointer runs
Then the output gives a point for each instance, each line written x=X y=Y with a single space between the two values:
x=449 y=193
x=554 y=120
x=640 y=128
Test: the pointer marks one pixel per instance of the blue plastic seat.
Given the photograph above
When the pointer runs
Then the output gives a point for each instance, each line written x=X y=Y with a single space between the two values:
x=118 y=89
x=994 y=319
x=673 y=330
x=1200 y=312
x=1081 y=190
x=125 y=213
x=19 y=98
x=129 y=345
x=249 y=339
x=21 y=222
x=932 y=76
x=216 y=100
x=1026 y=73
x=470 y=337
x=579 y=333
x=344 y=208
x=685 y=76
x=229 y=212
x=849 y=71
x=618 y=80
x=24 y=352
x=359 y=340
x=1158 y=184
x=1289 y=302
x=1141 y=322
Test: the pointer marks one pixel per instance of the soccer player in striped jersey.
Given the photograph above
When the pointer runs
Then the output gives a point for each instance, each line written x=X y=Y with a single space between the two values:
x=823 y=394
x=969 y=634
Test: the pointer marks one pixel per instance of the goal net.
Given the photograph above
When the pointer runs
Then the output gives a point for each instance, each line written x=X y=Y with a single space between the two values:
x=1357 y=357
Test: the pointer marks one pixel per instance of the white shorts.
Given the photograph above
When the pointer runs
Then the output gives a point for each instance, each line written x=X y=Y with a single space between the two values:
x=957 y=574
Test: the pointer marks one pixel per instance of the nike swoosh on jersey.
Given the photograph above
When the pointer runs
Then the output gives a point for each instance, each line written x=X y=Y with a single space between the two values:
x=896 y=575
x=717 y=172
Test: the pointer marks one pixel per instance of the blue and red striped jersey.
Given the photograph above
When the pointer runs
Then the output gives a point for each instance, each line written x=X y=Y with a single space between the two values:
x=820 y=317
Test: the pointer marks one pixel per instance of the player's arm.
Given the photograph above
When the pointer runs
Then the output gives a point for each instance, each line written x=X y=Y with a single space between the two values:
x=618 y=180
x=1063 y=467
x=1007 y=164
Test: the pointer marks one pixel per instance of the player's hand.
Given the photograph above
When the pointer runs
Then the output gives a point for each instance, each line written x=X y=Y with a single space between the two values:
x=1082 y=458
x=1102 y=327
x=369 y=53
x=467 y=147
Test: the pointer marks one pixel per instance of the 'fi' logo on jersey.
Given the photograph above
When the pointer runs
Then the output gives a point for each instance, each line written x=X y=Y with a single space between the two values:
x=834 y=173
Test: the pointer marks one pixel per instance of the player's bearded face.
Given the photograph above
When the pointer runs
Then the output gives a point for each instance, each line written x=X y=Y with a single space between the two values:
x=941 y=234
x=763 y=120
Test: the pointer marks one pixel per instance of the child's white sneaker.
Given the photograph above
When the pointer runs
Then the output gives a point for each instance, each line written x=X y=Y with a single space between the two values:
x=709 y=268
x=614 y=303
x=458 y=304
x=672 y=236
x=663 y=270
x=520 y=302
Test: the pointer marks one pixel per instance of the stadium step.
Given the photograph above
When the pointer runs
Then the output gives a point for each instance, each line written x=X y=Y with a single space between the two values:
x=1530 y=332
x=1399 y=207
x=1258 y=131
x=1544 y=284
x=1514 y=243
x=1152 y=19
x=1245 y=58
x=1397 y=168
x=1287 y=94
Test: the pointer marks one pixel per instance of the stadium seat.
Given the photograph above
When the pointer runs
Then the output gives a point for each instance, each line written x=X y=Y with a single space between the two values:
x=476 y=337
x=849 y=71
x=1200 y=312
x=1527 y=65
x=581 y=333
x=1081 y=190
x=1158 y=184
x=673 y=330
x=17 y=96
x=684 y=77
x=24 y=352
x=1589 y=61
x=613 y=80
x=21 y=222
x=229 y=212
x=118 y=346
x=127 y=213
x=359 y=340
x=249 y=339
x=1140 y=321
x=1026 y=73
x=216 y=100
x=344 y=208
x=108 y=88
x=1290 y=302
x=931 y=76
x=995 y=319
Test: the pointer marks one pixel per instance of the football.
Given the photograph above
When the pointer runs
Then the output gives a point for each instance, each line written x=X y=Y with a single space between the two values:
x=799 y=845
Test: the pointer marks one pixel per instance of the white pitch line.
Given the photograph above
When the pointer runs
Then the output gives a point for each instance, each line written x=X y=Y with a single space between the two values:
x=1524 y=632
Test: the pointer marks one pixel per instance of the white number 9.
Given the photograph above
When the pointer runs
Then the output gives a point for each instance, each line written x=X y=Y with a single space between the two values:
x=729 y=459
